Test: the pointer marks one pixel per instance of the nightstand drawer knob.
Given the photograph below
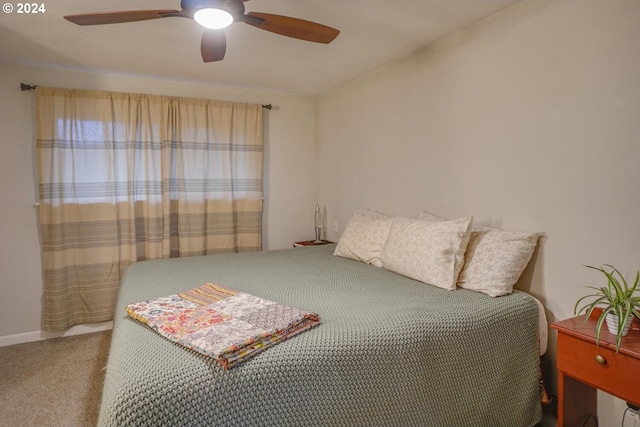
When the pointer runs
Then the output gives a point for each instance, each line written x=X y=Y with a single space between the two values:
x=600 y=360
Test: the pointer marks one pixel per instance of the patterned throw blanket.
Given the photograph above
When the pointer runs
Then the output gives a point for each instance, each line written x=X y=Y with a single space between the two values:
x=227 y=325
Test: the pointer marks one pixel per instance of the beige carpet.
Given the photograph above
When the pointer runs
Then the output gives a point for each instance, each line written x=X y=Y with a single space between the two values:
x=56 y=382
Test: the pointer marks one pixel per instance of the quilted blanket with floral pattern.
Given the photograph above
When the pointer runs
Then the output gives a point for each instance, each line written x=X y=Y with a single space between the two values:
x=219 y=322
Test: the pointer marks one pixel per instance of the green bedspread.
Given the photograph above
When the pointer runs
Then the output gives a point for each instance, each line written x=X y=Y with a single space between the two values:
x=390 y=351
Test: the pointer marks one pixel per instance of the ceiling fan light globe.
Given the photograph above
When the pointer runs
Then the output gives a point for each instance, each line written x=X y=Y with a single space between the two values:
x=213 y=18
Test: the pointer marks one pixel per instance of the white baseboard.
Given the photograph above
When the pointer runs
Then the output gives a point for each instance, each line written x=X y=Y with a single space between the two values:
x=41 y=335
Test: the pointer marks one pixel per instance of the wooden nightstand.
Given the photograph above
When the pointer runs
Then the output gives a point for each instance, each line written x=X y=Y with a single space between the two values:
x=310 y=243
x=584 y=367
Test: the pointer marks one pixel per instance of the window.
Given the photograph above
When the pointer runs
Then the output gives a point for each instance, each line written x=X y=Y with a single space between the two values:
x=128 y=177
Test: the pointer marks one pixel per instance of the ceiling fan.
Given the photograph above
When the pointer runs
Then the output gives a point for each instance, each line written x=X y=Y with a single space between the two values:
x=215 y=15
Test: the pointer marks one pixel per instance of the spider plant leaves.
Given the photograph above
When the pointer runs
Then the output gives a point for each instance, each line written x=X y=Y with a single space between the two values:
x=616 y=297
x=601 y=320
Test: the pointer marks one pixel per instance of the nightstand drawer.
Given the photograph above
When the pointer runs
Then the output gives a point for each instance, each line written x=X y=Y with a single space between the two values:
x=616 y=373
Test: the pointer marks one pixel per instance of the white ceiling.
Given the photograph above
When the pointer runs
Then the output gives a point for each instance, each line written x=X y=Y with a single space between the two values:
x=373 y=33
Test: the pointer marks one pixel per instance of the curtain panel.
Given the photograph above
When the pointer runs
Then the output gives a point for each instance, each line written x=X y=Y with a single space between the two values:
x=130 y=177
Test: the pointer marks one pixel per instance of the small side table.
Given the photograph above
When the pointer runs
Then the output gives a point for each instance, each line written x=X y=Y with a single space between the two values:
x=310 y=243
x=584 y=367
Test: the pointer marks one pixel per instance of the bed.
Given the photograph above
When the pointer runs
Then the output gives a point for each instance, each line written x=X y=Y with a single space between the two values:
x=390 y=350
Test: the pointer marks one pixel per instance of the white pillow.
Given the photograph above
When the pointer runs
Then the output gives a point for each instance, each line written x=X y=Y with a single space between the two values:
x=432 y=252
x=495 y=259
x=371 y=213
x=428 y=216
x=364 y=236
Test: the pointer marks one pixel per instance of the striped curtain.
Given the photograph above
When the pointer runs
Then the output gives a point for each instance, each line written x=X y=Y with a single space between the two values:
x=129 y=177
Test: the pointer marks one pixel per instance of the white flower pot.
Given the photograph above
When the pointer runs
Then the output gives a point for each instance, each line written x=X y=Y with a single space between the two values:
x=612 y=324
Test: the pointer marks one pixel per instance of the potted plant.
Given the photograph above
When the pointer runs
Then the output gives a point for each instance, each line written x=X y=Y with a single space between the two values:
x=618 y=300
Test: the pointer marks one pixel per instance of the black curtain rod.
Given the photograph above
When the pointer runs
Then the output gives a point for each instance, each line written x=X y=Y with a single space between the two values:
x=24 y=86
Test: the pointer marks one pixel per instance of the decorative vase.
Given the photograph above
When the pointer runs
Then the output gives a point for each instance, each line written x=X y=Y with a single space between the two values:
x=318 y=224
x=612 y=324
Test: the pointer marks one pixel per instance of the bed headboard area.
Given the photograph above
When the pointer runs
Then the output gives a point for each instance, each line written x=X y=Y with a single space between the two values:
x=440 y=252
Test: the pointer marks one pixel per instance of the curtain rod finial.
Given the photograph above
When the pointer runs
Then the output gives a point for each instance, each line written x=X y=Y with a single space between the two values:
x=24 y=87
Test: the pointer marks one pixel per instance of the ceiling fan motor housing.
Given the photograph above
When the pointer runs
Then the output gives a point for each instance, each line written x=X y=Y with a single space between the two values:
x=235 y=7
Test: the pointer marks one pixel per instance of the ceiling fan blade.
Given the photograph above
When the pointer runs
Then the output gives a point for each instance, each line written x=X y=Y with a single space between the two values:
x=213 y=46
x=118 y=17
x=292 y=27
